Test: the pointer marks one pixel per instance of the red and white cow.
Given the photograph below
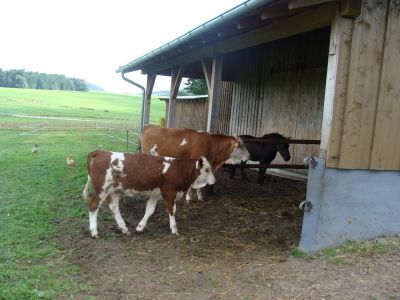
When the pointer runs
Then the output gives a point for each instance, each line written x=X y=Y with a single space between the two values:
x=186 y=143
x=113 y=174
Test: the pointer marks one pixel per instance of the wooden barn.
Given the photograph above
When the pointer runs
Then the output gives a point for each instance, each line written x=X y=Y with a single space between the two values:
x=309 y=69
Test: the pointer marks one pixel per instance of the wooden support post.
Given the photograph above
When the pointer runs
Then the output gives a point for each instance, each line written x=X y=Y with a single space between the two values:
x=176 y=79
x=336 y=86
x=151 y=79
x=207 y=69
x=215 y=94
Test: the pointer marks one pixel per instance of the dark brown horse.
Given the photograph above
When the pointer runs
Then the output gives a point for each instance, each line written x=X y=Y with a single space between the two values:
x=264 y=153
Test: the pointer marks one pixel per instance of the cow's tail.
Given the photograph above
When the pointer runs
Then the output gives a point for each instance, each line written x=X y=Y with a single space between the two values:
x=92 y=155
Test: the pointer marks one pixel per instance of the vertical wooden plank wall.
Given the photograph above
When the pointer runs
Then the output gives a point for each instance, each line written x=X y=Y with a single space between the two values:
x=225 y=110
x=370 y=119
x=281 y=89
x=386 y=146
x=363 y=85
x=191 y=114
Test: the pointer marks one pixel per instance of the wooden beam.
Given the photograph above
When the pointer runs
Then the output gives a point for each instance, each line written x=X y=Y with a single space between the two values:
x=274 y=12
x=310 y=20
x=151 y=79
x=295 y=4
x=207 y=69
x=350 y=8
x=176 y=78
x=215 y=94
x=335 y=89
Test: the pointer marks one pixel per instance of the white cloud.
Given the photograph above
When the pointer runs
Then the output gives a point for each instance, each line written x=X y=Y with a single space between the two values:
x=90 y=39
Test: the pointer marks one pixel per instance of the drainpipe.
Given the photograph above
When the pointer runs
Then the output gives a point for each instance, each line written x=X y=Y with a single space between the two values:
x=143 y=96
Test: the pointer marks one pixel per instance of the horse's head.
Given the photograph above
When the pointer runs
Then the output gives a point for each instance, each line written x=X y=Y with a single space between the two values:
x=282 y=148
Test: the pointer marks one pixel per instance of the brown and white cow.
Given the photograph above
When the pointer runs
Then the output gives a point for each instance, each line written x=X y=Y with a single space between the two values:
x=186 y=143
x=113 y=174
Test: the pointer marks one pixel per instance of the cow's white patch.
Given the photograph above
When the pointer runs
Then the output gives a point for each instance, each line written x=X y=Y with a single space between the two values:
x=172 y=224
x=166 y=158
x=93 y=222
x=166 y=167
x=119 y=157
x=153 y=151
x=86 y=189
x=184 y=142
x=107 y=183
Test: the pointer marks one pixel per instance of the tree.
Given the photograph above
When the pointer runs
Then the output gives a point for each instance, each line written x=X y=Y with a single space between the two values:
x=196 y=87
x=2 y=77
x=20 y=82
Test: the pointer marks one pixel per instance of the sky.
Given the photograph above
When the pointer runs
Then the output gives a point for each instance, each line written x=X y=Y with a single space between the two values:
x=90 y=39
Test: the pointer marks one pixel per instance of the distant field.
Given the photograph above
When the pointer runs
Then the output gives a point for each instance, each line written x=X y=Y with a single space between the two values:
x=85 y=105
x=40 y=196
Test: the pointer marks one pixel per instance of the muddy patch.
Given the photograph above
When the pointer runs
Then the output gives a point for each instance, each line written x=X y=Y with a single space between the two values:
x=236 y=245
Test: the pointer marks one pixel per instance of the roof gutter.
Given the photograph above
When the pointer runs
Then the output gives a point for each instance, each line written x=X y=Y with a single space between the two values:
x=231 y=14
x=142 y=114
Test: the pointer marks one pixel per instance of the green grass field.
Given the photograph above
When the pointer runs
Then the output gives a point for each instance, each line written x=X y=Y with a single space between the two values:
x=40 y=196
x=85 y=105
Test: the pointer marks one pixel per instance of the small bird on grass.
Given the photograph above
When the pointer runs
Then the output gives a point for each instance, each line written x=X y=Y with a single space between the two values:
x=35 y=149
x=71 y=162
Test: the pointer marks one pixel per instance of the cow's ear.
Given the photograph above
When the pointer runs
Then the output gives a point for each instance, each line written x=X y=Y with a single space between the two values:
x=199 y=163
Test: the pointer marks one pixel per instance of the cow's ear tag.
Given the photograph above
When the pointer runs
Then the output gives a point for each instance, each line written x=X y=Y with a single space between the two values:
x=199 y=163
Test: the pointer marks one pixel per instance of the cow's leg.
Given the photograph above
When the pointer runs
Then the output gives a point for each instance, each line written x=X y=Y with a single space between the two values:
x=114 y=207
x=189 y=195
x=172 y=221
x=199 y=195
x=171 y=208
x=94 y=205
x=150 y=207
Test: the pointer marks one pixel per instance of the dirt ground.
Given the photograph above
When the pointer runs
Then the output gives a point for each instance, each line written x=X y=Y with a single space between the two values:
x=236 y=245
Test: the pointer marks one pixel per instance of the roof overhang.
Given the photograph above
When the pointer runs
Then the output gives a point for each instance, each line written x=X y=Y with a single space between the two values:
x=249 y=24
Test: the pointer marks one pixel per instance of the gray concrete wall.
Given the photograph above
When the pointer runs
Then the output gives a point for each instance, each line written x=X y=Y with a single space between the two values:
x=349 y=205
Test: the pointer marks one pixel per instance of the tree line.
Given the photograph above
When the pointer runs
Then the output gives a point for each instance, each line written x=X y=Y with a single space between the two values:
x=34 y=80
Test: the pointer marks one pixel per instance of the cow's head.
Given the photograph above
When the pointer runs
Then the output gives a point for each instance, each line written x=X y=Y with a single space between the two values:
x=239 y=152
x=206 y=175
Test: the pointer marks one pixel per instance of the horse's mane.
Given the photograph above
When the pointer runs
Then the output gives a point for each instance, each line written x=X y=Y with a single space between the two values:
x=274 y=135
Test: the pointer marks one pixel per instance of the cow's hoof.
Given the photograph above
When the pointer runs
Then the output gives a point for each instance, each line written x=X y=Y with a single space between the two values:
x=176 y=233
x=139 y=229
x=96 y=236
x=127 y=232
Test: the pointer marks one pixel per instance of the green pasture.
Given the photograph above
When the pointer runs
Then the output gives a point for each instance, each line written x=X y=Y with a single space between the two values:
x=40 y=196
x=85 y=105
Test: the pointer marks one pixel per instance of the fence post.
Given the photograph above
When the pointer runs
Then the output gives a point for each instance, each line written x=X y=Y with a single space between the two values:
x=127 y=140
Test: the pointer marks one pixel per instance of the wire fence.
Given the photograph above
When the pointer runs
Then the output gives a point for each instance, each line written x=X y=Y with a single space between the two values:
x=27 y=131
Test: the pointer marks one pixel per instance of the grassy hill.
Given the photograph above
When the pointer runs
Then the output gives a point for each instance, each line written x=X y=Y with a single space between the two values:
x=86 y=105
x=40 y=196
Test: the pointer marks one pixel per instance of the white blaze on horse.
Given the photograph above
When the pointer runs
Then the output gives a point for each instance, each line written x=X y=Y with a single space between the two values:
x=114 y=174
